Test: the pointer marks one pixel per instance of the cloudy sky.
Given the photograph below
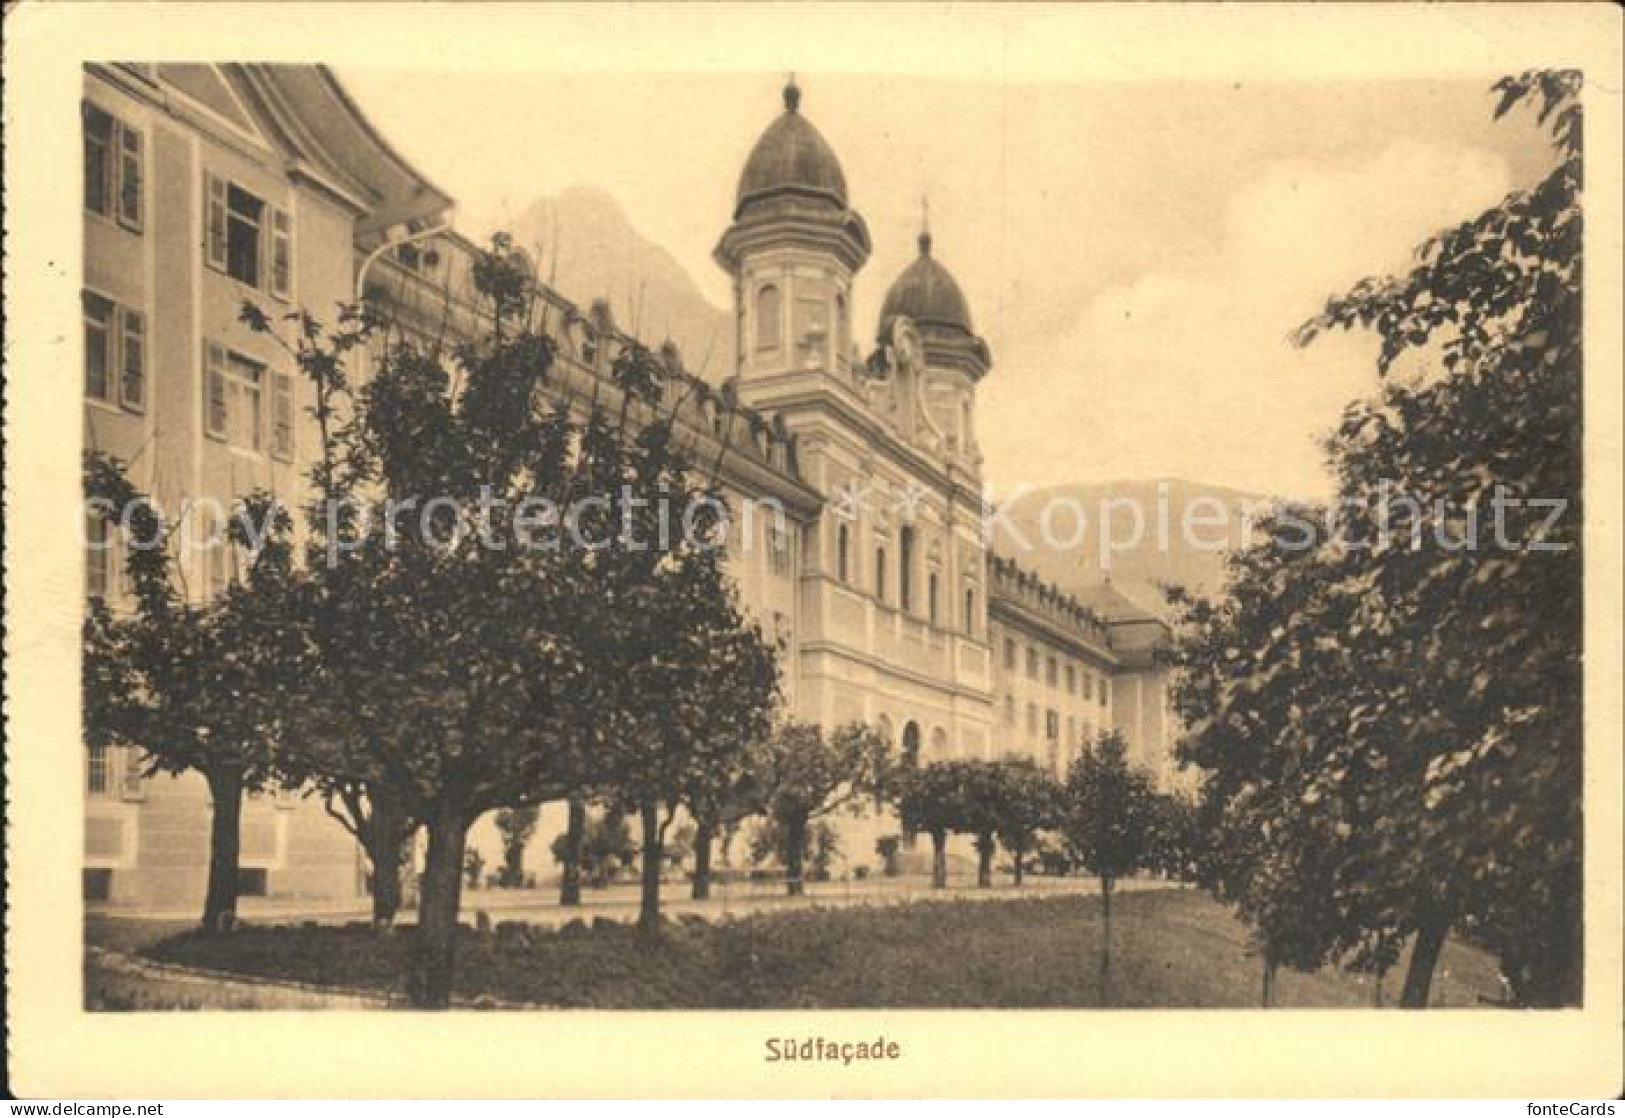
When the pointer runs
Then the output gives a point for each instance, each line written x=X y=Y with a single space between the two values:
x=1135 y=252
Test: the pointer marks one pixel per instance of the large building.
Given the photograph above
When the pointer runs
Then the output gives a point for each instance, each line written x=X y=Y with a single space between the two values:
x=208 y=184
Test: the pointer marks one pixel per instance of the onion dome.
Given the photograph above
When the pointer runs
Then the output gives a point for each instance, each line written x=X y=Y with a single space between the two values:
x=792 y=193
x=927 y=294
x=791 y=158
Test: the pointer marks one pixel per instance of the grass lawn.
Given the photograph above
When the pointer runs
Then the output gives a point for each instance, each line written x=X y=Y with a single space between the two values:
x=1171 y=948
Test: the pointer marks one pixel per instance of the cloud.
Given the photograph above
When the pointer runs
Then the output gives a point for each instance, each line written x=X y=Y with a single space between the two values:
x=1186 y=370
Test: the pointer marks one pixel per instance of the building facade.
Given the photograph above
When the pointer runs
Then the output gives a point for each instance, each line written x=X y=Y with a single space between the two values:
x=208 y=184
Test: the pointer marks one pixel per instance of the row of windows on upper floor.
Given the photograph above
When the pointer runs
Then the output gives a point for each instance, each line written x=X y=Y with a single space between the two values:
x=845 y=571
x=1076 y=728
x=245 y=405
x=1052 y=671
x=244 y=236
x=106 y=576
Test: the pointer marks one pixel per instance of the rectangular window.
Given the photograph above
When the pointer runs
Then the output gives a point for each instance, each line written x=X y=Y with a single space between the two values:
x=1088 y=686
x=130 y=782
x=1103 y=691
x=129 y=178
x=282 y=416
x=133 y=359
x=100 y=130
x=98 y=556
x=1071 y=680
x=1052 y=672
x=843 y=548
x=97 y=885
x=100 y=346
x=214 y=232
x=1009 y=654
x=252 y=882
x=113 y=160
x=245 y=421
x=1032 y=663
x=1052 y=725
x=96 y=772
x=245 y=214
x=281 y=254
x=880 y=573
x=970 y=612
x=931 y=598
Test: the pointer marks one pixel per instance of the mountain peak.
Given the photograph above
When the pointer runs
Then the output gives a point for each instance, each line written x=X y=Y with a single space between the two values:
x=588 y=248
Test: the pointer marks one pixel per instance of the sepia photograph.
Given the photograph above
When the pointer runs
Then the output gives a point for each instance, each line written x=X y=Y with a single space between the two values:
x=809 y=536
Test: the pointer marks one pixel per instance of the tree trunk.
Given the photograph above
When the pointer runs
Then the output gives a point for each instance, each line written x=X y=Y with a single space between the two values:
x=1424 y=957
x=795 y=851
x=1267 y=998
x=653 y=855
x=939 y=859
x=1019 y=856
x=575 y=832
x=225 y=842
x=1106 y=927
x=388 y=833
x=704 y=834
x=434 y=954
x=984 y=861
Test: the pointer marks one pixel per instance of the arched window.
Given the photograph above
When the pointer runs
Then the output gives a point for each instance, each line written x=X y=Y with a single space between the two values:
x=911 y=744
x=769 y=315
x=843 y=552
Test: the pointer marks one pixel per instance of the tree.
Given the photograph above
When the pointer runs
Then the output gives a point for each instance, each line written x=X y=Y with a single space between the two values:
x=196 y=685
x=374 y=814
x=808 y=775
x=1025 y=801
x=516 y=826
x=429 y=682
x=720 y=795
x=606 y=848
x=379 y=823
x=567 y=850
x=1480 y=743
x=1107 y=820
x=940 y=799
x=693 y=682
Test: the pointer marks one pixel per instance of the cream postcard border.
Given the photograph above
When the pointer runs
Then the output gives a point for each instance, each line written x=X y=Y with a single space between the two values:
x=59 y=1051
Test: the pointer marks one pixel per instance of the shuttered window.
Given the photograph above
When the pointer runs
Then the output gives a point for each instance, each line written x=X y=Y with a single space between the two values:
x=133 y=359
x=282 y=416
x=214 y=221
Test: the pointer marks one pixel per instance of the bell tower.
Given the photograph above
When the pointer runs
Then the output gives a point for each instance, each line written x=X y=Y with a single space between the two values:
x=793 y=248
